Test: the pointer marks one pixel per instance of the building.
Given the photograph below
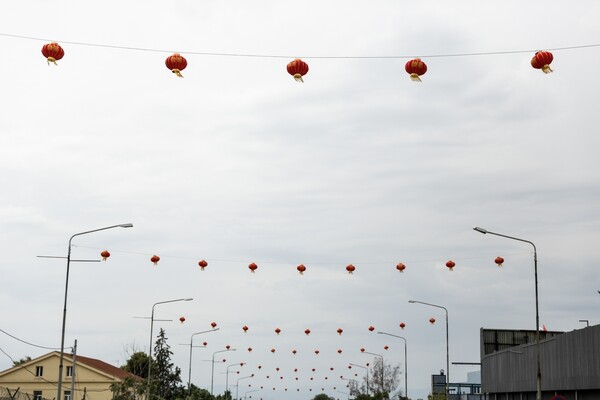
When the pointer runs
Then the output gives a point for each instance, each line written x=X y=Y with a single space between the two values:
x=569 y=364
x=39 y=378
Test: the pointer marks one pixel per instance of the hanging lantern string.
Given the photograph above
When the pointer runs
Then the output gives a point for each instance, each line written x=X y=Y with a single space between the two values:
x=200 y=53
x=408 y=262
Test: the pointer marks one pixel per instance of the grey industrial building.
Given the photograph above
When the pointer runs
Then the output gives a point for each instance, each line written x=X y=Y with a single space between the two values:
x=570 y=364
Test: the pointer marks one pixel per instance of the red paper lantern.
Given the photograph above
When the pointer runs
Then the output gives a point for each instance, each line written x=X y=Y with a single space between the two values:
x=432 y=320
x=301 y=268
x=202 y=264
x=313 y=370
x=205 y=344
x=415 y=68
x=53 y=52
x=371 y=328
x=350 y=268
x=317 y=352
x=450 y=264
x=272 y=350
x=297 y=69
x=400 y=267
x=228 y=347
x=155 y=259
x=245 y=328
x=176 y=63
x=499 y=261
x=182 y=319
x=277 y=331
x=105 y=254
x=213 y=324
x=252 y=267
x=386 y=347
x=339 y=351
x=260 y=366
x=542 y=60
x=276 y=368
x=307 y=331
x=402 y=325
x=340 y=331
x=295 y=369
x=362 y=350
x=294 y=351
x=249 y=349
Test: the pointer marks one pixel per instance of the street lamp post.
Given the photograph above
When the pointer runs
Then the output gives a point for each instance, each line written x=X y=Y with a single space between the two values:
x=237 y=385
x=190 y=366
x=212 y=374
x=382 y=370
x=367 y=369
x=537 y=310
x=150 y=349
x=447 y=341
x=227 y=375
x=64 y=316
x=405 y=362
x=250 y=391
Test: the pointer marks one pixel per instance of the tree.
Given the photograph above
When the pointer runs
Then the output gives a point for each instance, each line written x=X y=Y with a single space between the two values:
x=382 y=382
x=21 y=361
x=195 y=393
x=322 y=396
x=137 y=364
x=131 y=388
x=166 y=378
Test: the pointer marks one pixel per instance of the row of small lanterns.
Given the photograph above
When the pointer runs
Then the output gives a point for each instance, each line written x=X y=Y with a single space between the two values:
x=298 y=68
x=400 y=267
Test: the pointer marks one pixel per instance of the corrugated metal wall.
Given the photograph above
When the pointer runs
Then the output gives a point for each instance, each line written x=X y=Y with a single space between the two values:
x=570 y=361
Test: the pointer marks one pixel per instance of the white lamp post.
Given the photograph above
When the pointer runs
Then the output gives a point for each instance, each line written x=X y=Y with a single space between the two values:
x=405 y=362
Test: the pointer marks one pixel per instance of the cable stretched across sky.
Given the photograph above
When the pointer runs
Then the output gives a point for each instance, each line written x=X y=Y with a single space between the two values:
x=307 y=56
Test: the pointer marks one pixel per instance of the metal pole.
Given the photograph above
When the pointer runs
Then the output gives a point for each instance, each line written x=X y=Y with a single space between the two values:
x=378 y=355
x=150 y=348
x=190 y=366
x=367 y=369
x=73 y=372
x=227 y=375
x=405 y=361
x=537 y=310
x=64 y=316
x=237 y=386
x=447 y=343
x=212 y=375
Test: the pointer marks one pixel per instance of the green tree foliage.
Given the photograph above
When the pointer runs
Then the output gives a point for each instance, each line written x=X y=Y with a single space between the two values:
x=382 y=383
x=21 y=361
x=195 y=393
x=166 y=378
x=137 y=364
x=131 y=388
x=322 y=396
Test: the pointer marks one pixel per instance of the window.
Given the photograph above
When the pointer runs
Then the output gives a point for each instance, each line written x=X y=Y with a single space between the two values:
x=39 y=370
x=67 y=395
x=37 y=395
x=69 y=370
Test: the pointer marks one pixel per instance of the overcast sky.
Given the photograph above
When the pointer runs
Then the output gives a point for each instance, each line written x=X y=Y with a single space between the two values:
x=238 y=163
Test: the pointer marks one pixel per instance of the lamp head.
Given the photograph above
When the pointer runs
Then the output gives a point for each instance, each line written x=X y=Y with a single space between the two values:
x=411 y=301
x=188 y=299
x=126 y=225
x=480 y=230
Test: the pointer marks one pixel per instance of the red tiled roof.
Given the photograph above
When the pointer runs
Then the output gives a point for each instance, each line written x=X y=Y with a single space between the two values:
x=104 y=367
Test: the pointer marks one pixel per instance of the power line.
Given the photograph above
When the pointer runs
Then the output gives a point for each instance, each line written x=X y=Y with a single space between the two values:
x=30 y=344
x=346 y=57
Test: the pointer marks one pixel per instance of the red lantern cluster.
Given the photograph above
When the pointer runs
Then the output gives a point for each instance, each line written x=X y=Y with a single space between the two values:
x=53 y=52
x=253 y=267
x=105 y=254
x=297 y=69
x=350 y=268
x=499 y=261
x=155 y=259
x=301 y=268
x=450 y=264
x=415 y=68
x=542 y=60
x=202 y=264
x=400 y=267
x=176 y=63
